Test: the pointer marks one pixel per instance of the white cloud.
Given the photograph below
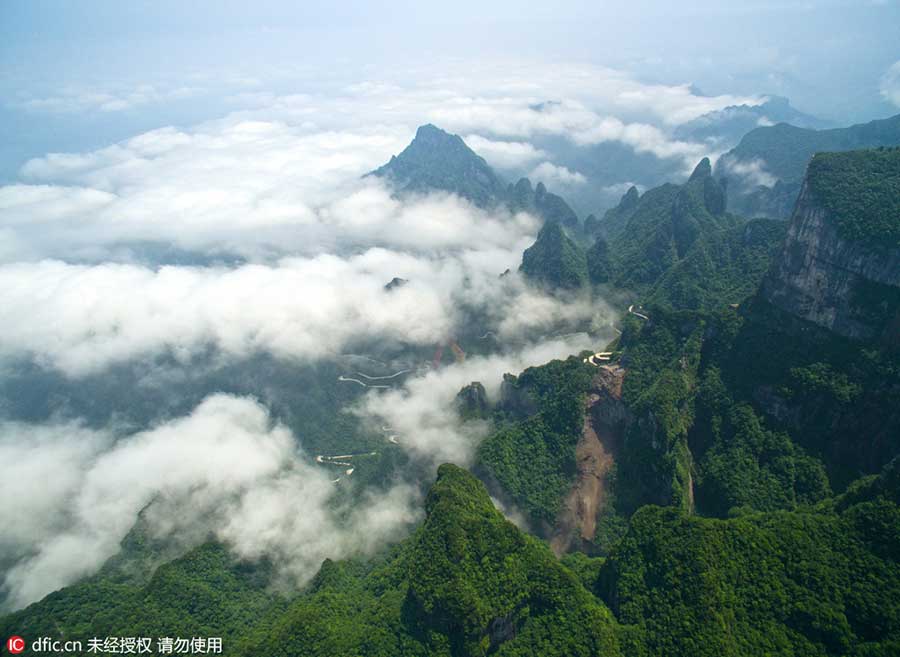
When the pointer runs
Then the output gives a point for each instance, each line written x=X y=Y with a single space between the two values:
x=266 y=181
x=508 y=100
x=74 y=100
x=279 y=184
x=225 y=469
x=751 y=173
x=619 y=189
x=422 y=413
x=552 y=174
x=256 y=189
x=890 y=84
x=81 y=319
x=505 y=154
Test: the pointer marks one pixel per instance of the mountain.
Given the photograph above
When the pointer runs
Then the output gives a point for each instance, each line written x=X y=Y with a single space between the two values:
x=817 y=581
x=437 y=160
x=749 y=405
x=647 y=234
x=725 y=127
x=677 y=247
x=725 y=478
x=615 y=218
x=722 y=267
x=809 y=582
x=552 y=208
x=555 y=260
x=780 y=154
x=610 y=166
x=840 y=265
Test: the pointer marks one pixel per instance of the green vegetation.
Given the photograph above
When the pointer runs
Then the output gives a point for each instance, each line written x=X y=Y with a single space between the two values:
x=722 y=267
x=662 y=358
x=554 y=260
x=437 y=160
x=745 y=465
x=204 y=593
x=821 y=581
x=786 y=150
x=817 y=582
x=466 y=583
x=837 y=398
x=648 y=235
x=533 y=458
x=721 y=533
x=861 y=192
x=599 y=268
x=615 y=219
x=538 y=201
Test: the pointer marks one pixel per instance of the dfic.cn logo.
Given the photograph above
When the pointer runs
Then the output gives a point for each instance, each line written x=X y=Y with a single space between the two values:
x=15 y=644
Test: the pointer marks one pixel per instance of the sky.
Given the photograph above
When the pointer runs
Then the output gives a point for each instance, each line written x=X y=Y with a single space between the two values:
x=165 y=62
x=184 y=182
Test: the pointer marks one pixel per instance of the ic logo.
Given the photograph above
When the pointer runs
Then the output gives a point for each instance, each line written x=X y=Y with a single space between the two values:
x=15 y=644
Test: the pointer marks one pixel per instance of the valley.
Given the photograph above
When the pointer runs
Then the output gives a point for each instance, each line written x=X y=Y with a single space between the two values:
x=467 y=331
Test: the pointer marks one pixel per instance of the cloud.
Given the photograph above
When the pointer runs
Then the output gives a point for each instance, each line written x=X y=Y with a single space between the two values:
x=505 y=154
x=570 y=119
x=422 y=413
x=243 y=187
x=619 y=189
x=255 y=189
x=270 y=179
x=553 y=174
x=257 y=233
x=81 y=319
x=890 y=84
x=508 y=101
x=752 y=173
x=77 y=100
x=225 y=469
x=81 y=491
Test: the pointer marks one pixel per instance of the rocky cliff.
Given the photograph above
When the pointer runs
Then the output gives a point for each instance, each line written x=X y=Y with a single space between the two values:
x=848 y=286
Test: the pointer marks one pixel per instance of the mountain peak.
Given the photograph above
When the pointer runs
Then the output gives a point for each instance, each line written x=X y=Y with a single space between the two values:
x=630 y=198
x=554 y=260
x=438 y=160
x=702 y=170
x=431 y=135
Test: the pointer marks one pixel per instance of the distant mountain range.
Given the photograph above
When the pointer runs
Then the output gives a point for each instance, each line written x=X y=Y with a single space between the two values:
x=780 y=154
x=725 y=127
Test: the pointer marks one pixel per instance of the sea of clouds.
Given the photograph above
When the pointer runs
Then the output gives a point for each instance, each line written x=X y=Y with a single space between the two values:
x=258 y=233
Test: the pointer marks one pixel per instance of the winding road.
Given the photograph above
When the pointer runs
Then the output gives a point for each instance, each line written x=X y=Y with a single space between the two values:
x=362 y=383
x=636 y=313
x=373 y=378
x=600 y=357
x=342 y=460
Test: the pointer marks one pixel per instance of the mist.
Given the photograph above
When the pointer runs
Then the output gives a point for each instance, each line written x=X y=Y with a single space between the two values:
x=188 y=196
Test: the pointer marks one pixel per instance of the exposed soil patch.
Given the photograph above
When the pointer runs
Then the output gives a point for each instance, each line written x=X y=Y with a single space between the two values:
x=604 y=422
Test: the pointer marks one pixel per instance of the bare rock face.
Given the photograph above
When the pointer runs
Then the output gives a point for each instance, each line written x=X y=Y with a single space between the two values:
x=516 y=400
x=472 y=401
x=844 y=286
x=605 y=421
